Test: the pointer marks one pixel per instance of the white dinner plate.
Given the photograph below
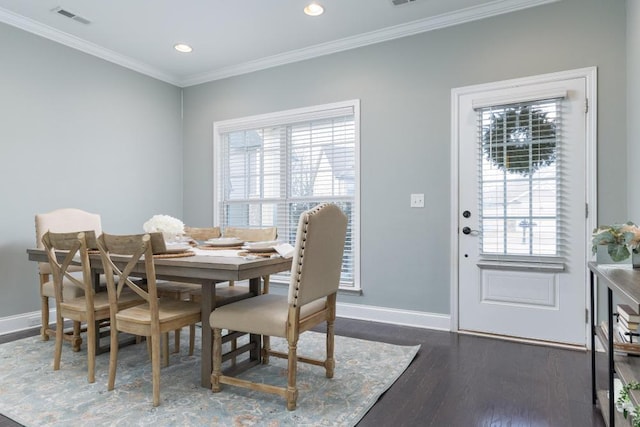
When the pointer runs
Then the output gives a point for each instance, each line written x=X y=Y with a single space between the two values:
x=224 y=241
x=176 y=248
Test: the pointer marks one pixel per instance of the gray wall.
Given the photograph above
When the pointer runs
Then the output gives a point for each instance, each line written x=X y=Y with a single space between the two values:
x=404 y=87
x=77 y=131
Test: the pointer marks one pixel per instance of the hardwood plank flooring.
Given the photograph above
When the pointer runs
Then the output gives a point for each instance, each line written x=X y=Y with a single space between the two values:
x=461 y=380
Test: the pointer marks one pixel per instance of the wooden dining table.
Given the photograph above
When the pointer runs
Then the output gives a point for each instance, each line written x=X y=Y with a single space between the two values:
x=207 y=271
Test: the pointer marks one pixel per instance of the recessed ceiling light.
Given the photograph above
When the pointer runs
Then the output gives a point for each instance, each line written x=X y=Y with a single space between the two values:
x=314 y=9
x=184 y=48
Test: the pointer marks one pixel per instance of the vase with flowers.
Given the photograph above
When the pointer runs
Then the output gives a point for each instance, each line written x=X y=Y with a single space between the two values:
x=171 y=228
x=622 y=241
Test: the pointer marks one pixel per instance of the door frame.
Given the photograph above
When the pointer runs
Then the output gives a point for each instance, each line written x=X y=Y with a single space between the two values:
x=591 y=180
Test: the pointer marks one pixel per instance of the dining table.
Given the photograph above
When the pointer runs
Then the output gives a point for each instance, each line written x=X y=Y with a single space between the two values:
x=208 y=271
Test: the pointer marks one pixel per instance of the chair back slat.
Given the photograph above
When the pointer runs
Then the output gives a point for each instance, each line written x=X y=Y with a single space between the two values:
x=252 y=234
x=116 y=249
x=317 y=260
x=202 y=233
x=74 y=244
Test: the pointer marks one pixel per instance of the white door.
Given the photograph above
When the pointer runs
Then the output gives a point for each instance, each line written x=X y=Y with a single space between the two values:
x=522 y=211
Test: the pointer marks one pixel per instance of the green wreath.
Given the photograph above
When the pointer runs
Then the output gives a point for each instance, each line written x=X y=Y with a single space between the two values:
x=512 y=131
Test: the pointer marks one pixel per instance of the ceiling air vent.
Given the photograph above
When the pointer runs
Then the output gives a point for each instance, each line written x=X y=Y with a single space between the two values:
x=78 y=18
x=401 y=2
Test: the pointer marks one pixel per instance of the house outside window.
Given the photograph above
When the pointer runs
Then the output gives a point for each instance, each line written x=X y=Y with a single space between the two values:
x=268 y=169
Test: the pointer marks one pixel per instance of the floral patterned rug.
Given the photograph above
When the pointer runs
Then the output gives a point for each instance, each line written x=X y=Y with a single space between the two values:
x=32 y=394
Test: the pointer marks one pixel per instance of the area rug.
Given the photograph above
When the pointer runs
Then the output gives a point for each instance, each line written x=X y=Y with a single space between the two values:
x=33 y=394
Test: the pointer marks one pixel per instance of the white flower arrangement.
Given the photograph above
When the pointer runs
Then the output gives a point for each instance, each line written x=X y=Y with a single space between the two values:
x=165 y=224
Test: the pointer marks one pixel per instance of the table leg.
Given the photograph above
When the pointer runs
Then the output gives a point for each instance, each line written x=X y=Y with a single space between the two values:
x=206 y=363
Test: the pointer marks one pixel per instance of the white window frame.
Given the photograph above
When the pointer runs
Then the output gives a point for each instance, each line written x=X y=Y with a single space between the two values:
x=289 y=116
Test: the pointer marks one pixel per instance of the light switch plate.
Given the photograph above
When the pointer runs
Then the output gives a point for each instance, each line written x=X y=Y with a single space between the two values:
x=417 y=200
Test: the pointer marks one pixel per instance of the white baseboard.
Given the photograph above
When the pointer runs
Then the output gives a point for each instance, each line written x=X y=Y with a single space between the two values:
x=23 y=321
x=417 y=319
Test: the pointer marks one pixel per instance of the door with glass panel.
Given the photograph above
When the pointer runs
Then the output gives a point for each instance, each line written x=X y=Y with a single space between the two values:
x=522 y=220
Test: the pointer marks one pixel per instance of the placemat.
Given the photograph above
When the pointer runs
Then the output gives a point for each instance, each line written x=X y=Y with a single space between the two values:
x=178 y=255
x=219 y=248
x=260 y=254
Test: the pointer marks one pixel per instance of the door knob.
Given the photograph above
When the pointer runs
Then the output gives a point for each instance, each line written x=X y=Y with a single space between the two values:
x=467 y=230
x=466 y=214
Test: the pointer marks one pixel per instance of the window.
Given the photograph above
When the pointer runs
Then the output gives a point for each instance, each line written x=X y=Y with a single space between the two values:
x=521 y=161
x=271 y=168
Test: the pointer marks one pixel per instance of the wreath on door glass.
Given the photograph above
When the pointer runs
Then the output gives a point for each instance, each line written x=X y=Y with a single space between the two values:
x=511 y=132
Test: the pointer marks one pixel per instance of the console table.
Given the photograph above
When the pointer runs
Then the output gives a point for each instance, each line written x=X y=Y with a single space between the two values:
x=623 y=281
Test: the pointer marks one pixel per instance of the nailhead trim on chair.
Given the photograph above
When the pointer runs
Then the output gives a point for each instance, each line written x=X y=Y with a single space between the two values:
x=301 y=253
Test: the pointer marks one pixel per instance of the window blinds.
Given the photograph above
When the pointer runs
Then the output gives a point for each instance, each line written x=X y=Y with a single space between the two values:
x=269 y=174
x=520 y=167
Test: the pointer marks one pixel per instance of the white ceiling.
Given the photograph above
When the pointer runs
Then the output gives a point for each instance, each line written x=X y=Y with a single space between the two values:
x=231 y=37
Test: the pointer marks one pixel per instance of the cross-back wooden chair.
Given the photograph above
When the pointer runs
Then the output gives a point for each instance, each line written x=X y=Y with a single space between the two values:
x=89 y=308
x=153 y=319
x=61 y=221
x=315 y=276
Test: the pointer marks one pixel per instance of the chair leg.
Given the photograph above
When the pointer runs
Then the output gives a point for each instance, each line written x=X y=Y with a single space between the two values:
x=155 y=367
x=176 y=346
x=330 y=363
x=92 y=332
x=76 y=339
x=165 y=350
x=192 y=338
x=113 y=357
x=44 y=302
x=217 y=360
x=266 y=348
x=292 y=365
x=149 y=347
x=234 y=347
x=59 y=337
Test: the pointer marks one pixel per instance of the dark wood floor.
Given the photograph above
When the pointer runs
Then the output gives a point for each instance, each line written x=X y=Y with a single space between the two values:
x=460 y=380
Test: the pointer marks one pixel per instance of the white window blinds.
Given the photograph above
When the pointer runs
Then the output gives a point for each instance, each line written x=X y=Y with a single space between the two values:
x=272 y=168
x=521 y=168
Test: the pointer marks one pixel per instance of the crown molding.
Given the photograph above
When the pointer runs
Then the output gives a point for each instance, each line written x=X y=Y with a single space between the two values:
x=462 y=16
x=77 y=43
x=497 y=7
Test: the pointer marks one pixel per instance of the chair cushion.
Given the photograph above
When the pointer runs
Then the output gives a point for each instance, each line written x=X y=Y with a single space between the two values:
x=264 y=315
x=69 y=291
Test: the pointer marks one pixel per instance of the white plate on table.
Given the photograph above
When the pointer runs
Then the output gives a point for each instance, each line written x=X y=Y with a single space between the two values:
x=176 y=248
x=224 y=242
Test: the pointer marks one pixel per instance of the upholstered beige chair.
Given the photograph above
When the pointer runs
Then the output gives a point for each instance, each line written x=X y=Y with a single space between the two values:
x=61 y=221
x=89 y=308
x=315 y=276
x=153 y=319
